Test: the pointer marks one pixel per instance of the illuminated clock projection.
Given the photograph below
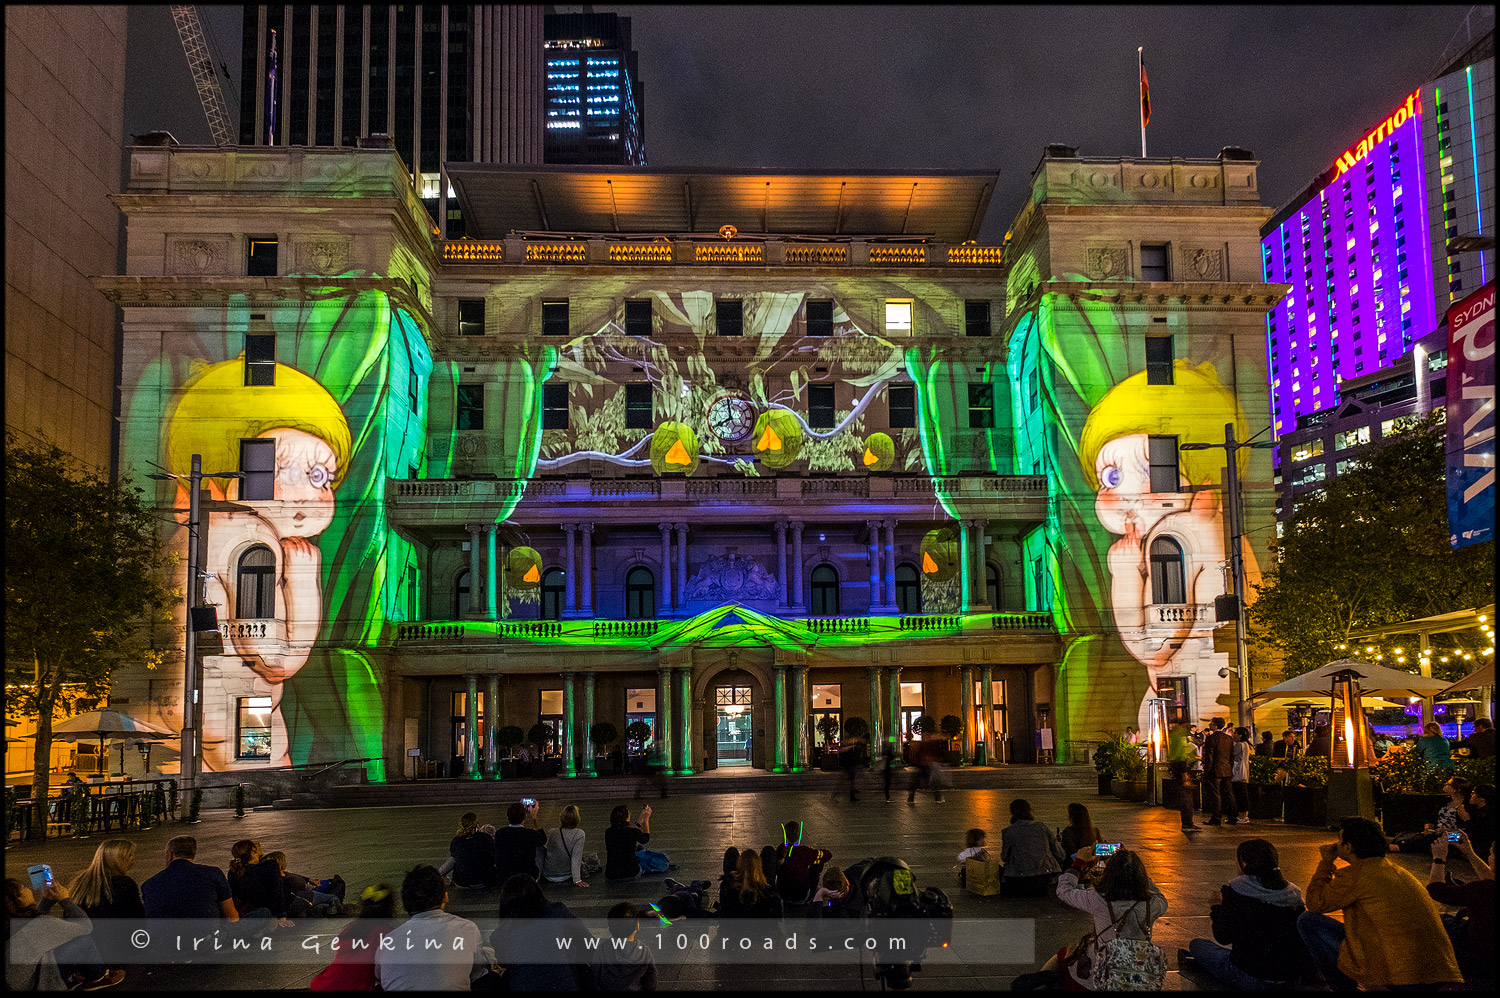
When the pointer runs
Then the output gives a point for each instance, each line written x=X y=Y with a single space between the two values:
x=731 y=416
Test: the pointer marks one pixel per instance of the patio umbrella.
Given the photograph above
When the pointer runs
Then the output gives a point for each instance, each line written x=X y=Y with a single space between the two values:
x=105 y=724
x=1374 y=680
x=1479 y=678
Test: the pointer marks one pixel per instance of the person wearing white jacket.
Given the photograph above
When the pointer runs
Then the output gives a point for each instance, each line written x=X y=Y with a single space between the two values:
x=1125 y=904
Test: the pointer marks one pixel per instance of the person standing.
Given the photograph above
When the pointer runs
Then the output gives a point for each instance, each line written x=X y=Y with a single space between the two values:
x=889 y=758
x=1434 y=748
x=1180 y=758
x=1218 y=774
x=849 y=759
x=1240 y=777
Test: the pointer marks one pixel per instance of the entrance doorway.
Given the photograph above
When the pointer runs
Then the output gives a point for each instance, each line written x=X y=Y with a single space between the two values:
x=911 y=709
x=827 y=701
x=733 y=723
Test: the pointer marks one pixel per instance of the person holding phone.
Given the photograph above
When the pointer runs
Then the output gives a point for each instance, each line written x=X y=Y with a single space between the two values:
x=517 y=844
x=1256 y=919
x=1472 y=930
x=624 y=857
x=50 y=954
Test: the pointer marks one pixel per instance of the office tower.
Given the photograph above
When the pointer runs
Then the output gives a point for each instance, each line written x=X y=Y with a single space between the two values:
x=594 y=100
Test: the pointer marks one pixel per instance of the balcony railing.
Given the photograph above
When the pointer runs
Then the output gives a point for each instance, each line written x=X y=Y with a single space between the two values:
x=1183 y=613
x=731 y=487
x=625 y=487
x=843 y=486
x=772 y=251
x=1022 y=622
x=928 y=622
x=837 y=625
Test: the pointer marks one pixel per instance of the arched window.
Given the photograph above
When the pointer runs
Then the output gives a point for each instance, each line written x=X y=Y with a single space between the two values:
x=461 y=595
x=554 y=587
x=992 y=585
x=1167 y=581
x=908 y=590
x=255 y=587
x=640 y=594
x=825 y=591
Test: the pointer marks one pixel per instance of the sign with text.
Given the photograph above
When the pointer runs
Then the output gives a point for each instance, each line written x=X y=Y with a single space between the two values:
x=1409 y=109
x=1471 y=419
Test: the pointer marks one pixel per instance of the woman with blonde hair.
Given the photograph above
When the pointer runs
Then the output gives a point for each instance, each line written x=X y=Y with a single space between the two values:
x=104 y=888
x=749 y=895
x=562 y=857
x=472 y=853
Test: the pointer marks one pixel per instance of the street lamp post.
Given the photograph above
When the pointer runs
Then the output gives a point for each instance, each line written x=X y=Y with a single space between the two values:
x=191 y=708
x=1232 y=508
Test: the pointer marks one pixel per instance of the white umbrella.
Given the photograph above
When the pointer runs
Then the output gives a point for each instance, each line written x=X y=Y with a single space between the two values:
x=106 y=724
x=1374 y=680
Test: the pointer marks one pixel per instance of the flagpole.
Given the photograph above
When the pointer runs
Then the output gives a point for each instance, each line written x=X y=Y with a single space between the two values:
x=1140 y=56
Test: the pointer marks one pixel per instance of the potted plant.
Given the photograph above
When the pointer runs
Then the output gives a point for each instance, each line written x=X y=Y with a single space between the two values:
x=508 y=737
x=1129 y=769
x=1411 y=791
x=1104 y=760
x=602 y=734
x=952 y=727
x=926 y=725
x=1306 y=793
x=1265 y=789
x=828 y=727
x=637 y=735
x=540 y=735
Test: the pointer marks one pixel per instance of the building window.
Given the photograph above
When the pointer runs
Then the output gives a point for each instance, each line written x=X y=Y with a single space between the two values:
x=461 y=595
x=638 y=407
x=554 y=587
x=1308 y=449
x=820 y=407
x=1168 y=583
x=820 y=318
x=827 y=701
x=252 y=728
x=260 y=359
x=729 y=318
x=1163 y=456
x=992 y=585
x=640 y=594
x=1154 y=262
x=471 y=407
x=825 y=591
x=638 y=317
x=255 y=585
x=1175 y=692
x=908 y=589
x=1158 y=360
x=901 y=401
x=555 y=406
x=549 y=714
x=258 y=464
x=976 y=318
x=555 y=318
x=898 y=317
x=981 y=406
x=471 y=317
x=261 y=261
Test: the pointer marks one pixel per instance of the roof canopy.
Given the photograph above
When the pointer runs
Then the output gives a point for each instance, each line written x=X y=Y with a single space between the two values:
x=1443 y=623
x=1374 y=680
x=497 y=199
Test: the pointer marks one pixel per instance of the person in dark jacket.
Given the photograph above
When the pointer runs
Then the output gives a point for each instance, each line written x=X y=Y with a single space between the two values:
x=798 y=866
x=529 y=923
x=1287 y=747
x=1218 y=774
x=1322 y=742
x=726 y=878
x=256 y=883
x=1257 y=917
x=1472 y=929
x=516 y=844
x=473 y=853
x=1481 y=824
x=1481 y=744
x=751 y=896
x=628 y=967
x=1266 y=744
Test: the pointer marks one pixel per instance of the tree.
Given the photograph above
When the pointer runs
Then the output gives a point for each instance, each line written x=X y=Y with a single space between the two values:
x=1372 y=549
x=508 y=737
x=601 y=733
x=856 y=727
x=828 y=727
x=926 y=725
x=86 y=579
x=639 y=733
x=951 y=725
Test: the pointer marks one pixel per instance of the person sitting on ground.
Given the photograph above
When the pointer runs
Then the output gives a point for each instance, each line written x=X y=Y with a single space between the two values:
x=690 y=899
x=1472 y=930
x=256 y=884
x=974 y=848
x=1080 y=831
x=1481 y=744
x=624 y=857
x=563 y=858
x=1433 y=747
x=752 y=896
x=1257 y=916
x=1029 y=854
x=516 y=844
x=1454 y=813
x=1266 y=745
x=51 y=954
x=409 y=964
x=303 y=898
x=473 y=855
x=1391 y=934
x=835 y=887
x=104 y=888
x=624 y=966
x=529 y=925
x=798 y=866
x=1287 y=747
x=769 y=861
x=186 y=889
x=353 y=966
x=726 y=878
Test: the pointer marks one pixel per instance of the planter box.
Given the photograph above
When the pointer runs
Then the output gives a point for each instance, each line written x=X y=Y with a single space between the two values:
x=1104 y=785
x=1265 y=801
x=1409 y=812
x=1134 y=790
x=1306 y=806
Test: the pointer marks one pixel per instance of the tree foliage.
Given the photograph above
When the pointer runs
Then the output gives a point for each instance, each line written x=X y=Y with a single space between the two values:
x=86 y=579
x=1372 y=549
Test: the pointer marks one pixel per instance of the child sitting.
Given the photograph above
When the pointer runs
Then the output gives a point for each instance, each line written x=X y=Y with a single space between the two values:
x=630 y=967
x=974 y=848
x=835 y=886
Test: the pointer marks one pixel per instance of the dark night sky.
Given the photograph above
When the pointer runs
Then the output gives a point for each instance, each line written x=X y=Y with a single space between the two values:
x=960 y=87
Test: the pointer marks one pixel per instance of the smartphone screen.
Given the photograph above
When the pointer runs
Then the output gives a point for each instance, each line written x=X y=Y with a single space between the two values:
x=1106 y=848
x=40 y=876
x=528 y=801
x=1453 y=836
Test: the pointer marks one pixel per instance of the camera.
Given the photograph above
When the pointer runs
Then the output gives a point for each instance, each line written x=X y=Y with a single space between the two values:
x=885 y=888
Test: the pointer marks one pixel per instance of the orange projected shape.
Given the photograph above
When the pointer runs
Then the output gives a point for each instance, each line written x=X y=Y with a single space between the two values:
x=928 y=565
x=533 y=574
x=870 y=457
x=768 y=440
x=678 y=455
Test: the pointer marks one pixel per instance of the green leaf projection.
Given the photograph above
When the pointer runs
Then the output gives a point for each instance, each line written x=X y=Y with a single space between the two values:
x=778 y=438
x=674 y=449
x=523 y=568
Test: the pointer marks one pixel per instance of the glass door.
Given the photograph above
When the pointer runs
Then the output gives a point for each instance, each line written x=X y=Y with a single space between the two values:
x=732 y=707
x=826 y=702
x=911 y=709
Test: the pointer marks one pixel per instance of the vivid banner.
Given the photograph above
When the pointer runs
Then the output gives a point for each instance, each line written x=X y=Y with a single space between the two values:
x=1471 y=418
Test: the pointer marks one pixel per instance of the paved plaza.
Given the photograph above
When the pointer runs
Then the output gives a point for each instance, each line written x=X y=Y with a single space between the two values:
x=369 y=844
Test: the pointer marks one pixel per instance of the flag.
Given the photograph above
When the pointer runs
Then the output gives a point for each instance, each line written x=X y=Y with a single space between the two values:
x=1145 y=96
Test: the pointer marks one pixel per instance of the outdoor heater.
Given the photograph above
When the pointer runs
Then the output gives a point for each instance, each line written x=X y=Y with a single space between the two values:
x=1349 y=789
x=1156 y=745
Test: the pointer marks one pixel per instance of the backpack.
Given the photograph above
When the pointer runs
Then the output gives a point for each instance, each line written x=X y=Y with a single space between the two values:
x=1129 y=964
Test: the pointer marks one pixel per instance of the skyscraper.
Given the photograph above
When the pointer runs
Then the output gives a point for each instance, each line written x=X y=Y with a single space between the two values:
x=594 y=95
x=470 y=92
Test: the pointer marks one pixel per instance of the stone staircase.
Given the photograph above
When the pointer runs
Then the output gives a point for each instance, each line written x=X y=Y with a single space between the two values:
x=443 y=792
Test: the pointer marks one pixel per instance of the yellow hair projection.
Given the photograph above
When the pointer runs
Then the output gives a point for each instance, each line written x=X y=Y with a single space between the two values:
x=215 y=410
x=1194 y=408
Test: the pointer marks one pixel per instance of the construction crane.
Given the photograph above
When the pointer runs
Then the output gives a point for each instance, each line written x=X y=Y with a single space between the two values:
x=190 y=30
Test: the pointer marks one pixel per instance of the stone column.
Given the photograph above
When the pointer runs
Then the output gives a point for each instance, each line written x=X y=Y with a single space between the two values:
x=987 y=698
x=471 y=729
x=588 y=723
x=685 y=721
x=797 y=601
x=679 y=596
x=890 y=562
x=664 y=714
x=781 y=579
x=877 y=726
x=876 y=591
x=586 y=572
x=491 y=574
x=570 y=588
x=476 y=581
x=570 y=768
x=799 y=718
x=965 y=563
x=893 y=696
x=966 y=744
x=981 y=599
x=492 y=725
x=666 y=568
x=778 y=745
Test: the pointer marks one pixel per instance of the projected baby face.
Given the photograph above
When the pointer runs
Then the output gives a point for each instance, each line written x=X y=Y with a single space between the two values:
x=1125 y=496
x=305 y=470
